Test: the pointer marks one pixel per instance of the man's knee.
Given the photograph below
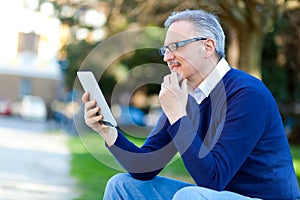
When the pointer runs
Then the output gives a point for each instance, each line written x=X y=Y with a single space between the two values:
x=117 y=180
x=188 y=193
x=202 y=193
x=115 y=186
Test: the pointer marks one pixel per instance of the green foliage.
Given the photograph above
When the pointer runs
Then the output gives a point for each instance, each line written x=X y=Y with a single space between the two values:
x=280 y=70
x=76 y=53
x=143 y=56
x=296 y=160
x=281 y=78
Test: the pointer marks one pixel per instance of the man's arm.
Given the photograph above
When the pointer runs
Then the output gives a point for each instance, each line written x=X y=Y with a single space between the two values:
x=232 y=131
x=142 y=162
x=147 y=161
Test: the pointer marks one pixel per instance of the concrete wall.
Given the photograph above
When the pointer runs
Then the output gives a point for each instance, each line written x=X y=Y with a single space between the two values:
x=11 y=87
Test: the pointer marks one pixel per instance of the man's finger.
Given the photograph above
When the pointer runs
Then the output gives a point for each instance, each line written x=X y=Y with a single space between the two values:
x=93 y=120
x=85 y=97
x=184 y=86
x=174 y=79
x=92 y=112
x=89 y=105
x=167 y=79
x=165 y=86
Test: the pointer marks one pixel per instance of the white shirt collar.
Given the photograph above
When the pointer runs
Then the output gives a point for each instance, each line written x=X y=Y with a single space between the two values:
x=210 y=82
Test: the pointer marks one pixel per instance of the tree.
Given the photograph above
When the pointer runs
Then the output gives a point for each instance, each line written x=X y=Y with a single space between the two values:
x=246 y=22
x=78 y=32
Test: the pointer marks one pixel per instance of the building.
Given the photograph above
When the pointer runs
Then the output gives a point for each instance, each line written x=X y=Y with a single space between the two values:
x=29 y=43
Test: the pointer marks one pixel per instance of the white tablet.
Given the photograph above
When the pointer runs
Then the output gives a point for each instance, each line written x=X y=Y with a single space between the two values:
x=90 y=85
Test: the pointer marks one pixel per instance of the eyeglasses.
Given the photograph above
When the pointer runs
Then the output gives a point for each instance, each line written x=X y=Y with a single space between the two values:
x=175 y=45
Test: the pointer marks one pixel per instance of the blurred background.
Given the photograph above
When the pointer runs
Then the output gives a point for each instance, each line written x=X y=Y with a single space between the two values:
x=44 y=43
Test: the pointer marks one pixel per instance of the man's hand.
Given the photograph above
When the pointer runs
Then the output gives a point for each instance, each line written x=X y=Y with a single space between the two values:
x=93 y=120
x=173 y=98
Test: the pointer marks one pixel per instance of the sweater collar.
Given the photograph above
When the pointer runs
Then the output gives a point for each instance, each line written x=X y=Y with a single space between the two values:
x=210 y=82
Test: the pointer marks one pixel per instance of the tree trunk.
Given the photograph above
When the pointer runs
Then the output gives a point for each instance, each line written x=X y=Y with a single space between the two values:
x=251 y=45
x=233 y=49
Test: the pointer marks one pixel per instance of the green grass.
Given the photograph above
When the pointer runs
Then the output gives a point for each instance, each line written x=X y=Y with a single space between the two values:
x=92 y=165
x=90 y=173
x=296 y=160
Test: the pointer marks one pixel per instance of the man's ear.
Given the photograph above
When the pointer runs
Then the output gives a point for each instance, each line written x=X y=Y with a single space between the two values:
x=210 y=47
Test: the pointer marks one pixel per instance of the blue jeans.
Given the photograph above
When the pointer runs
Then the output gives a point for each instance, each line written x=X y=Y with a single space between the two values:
x=123 y=186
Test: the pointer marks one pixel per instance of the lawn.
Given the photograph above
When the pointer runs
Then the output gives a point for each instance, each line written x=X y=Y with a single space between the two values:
x=92 y=165
x=296 y=158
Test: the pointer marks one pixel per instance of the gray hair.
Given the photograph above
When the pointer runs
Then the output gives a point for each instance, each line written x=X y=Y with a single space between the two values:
x=205 y=23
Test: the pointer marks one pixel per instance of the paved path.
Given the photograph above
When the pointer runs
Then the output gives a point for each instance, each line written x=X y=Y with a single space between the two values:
x=34 y=166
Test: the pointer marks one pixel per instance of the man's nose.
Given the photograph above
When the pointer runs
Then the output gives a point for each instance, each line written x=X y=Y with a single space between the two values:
x=168 y=55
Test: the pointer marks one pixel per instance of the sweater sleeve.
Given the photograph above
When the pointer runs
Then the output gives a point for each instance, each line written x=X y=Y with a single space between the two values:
x=145 y=162
x=235 y=126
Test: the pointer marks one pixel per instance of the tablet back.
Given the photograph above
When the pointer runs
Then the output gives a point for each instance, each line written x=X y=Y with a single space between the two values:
x=90 y=85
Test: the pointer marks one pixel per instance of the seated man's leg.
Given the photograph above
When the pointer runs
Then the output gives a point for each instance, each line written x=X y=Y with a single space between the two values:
x=123 y=186
x=201 y=193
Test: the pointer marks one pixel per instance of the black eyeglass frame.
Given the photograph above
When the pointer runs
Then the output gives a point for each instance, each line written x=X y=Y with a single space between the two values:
x=175 y=45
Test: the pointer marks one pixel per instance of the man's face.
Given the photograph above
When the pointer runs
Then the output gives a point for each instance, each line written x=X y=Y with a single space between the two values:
x=186 y=60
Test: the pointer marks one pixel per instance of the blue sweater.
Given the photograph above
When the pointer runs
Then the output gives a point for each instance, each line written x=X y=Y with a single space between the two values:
x=234 y=140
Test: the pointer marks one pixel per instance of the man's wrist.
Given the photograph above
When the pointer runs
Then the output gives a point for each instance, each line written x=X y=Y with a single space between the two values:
x=175 y=118
x=111 y=136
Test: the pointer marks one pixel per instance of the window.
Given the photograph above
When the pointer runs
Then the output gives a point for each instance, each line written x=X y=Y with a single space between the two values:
x=28 y=42
x=25 y=87
x=31 y=4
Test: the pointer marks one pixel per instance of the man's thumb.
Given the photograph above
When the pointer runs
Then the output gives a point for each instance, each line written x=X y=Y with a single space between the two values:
x=184 y=86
